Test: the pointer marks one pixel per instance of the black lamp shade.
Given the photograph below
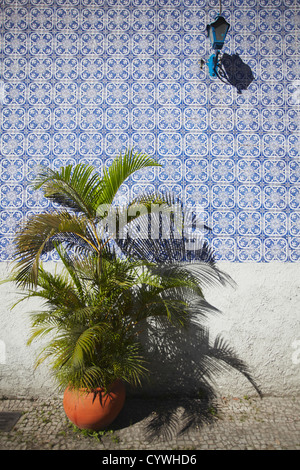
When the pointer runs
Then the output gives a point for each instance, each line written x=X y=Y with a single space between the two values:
x=217 y=31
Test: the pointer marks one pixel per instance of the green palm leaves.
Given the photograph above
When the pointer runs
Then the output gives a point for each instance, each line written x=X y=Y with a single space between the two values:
x=79 y=191
x=97 y=303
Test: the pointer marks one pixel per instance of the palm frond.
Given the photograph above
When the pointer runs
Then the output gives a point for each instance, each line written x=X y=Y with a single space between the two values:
x=121 y=168
x=75 y=187
x=38 y=235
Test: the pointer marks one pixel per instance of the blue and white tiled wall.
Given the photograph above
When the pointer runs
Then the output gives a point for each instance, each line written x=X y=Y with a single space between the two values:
x=81 y=80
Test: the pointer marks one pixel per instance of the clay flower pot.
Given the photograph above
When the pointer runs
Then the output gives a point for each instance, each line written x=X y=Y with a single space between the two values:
x=94 y=410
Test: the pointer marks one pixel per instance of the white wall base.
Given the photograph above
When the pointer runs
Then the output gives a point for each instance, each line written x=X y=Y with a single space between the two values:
x=260 y=320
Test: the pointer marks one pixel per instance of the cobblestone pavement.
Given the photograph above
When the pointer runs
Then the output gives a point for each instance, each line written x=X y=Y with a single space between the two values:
x=271 y=423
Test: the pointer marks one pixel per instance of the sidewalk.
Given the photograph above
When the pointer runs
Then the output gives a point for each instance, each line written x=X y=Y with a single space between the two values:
x=152 y=424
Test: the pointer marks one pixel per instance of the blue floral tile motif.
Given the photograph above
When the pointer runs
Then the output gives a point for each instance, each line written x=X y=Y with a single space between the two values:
x=89 y=144
x=249 y=223
x=294 y=196
x=250 y=249
x=219 y=94
x=249 y=170
x=11 y=169
x=92 y=43
x=142 y=93
x=247 y=120
x=64 y=118
x=14 y=93
x=275 y=197
x=169 y=144
x=223 y=223
x=89 y=118
x=41 y=18
x=91 y=93
x=249 y=196
x=39 y=119
x=14 y=68
x=197 y=194
x=143 y=43
x=275 y=223
x=270 y=44
x=223 y=171
x=275 y=249
x=169 y=119
x=33 y=165
x=66 y=68
x=225 y=248
x=64 y=93
x=196 y=144
x=12 y=196
x=12 y=144
x=223 y=196
x=293 y=143
x=15 y=18
x=143 y=142
x=168 y=44
x=195 y=93
x=38 y=144
x=196 y=170
x=35 y=199
x=15 y=43
x=41 y=43
x=294 y=172
x=143 y=69
x=274 y=145
x=83 y=80
x=116 y=143
x=64 y=144
x=168 y=69
x=10 y=221
x=67 y=43
x=40 y=93
x=13 y=119
x=92 y=19
x=246 y=43
x=295 y=224
x=91 y=68
x=222 y=145
x=274 y=171
x=171 y=169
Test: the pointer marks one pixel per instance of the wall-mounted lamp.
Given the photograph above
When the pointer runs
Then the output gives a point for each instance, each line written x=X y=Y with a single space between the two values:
x=217 y=32
x=229 y=69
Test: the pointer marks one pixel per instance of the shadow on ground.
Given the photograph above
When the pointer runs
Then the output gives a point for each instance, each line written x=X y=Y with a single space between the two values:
x=180 y=395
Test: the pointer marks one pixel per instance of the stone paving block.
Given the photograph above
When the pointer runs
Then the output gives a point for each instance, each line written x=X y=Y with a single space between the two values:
x=267 y=423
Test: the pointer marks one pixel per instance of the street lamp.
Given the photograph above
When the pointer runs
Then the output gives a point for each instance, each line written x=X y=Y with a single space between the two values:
x=217 y=32
x=229 y=69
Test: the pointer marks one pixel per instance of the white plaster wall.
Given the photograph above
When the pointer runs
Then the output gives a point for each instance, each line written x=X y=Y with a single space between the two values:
x=260 y=319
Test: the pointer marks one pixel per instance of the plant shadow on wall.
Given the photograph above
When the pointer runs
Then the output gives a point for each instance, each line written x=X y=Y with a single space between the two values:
x=115 y=302
x=183 y=363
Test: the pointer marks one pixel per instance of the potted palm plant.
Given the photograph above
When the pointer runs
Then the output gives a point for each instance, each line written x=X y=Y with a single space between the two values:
x=101 y=294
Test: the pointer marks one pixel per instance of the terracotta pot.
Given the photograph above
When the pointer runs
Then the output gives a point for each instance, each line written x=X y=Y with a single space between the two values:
x=94 y=410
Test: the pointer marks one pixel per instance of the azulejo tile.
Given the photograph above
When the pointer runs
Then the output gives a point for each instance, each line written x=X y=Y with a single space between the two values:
x=83 y=80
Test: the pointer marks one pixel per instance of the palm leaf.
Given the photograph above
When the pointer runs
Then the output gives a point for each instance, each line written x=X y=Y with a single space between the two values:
x=121 y=168
x=37 y=236
x=76 y=187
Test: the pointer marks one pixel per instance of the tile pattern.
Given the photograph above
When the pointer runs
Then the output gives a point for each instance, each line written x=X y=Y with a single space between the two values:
x=82 y=80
